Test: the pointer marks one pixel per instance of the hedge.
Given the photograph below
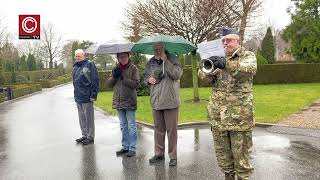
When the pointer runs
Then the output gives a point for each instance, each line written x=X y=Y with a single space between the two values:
x=266 y=74
x=2 y=97
x=287 y=73
x=103 y=75
x=33 y=76
x=186 y=79
x=269 y=74
x=19 y=90
x=54 y=82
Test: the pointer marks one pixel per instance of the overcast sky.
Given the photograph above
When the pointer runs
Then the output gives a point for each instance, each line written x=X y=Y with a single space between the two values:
x=99 y=20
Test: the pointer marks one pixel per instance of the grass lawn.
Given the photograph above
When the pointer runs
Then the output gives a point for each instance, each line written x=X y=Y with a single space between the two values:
x=272 y=102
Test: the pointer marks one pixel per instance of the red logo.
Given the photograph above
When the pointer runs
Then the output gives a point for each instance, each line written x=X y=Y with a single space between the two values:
x=29 y=26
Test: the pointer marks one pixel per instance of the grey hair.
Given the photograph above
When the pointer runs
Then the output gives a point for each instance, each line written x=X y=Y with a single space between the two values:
x=79 y=51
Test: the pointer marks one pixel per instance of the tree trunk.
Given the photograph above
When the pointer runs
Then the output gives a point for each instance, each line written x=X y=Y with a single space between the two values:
x=51 y=62
x=243 y=26
x=195 y=79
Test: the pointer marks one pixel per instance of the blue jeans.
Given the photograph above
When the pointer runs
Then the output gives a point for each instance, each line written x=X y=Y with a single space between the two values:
x=128 y=128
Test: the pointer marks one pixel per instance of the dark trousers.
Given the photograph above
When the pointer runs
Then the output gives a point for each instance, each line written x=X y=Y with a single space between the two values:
x=165 y=121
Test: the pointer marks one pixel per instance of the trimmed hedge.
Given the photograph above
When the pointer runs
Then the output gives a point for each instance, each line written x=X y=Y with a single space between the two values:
x=103 y=75
x=266 y=74
x=186 y=79
x=33 y=76
x=19 y=90
x=54 y=82
x=2 y=97
x=269 y=74
x=287 y=73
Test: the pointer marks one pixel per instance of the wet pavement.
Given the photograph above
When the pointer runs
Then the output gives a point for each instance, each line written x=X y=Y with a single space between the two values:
x=37 y=136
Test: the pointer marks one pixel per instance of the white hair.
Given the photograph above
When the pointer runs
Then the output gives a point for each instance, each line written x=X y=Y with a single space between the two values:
x=79 y=51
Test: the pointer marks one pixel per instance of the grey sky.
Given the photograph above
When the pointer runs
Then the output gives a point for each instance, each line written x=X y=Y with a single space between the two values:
x=98 y=20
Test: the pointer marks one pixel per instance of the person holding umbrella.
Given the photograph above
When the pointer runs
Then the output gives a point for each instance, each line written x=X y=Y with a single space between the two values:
x=125 y=79
x=162 y=73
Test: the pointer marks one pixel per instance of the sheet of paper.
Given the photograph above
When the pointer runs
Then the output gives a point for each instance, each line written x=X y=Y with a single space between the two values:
x=211 y=48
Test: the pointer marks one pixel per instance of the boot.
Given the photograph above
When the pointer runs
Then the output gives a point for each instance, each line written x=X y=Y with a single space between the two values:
x=228 y=176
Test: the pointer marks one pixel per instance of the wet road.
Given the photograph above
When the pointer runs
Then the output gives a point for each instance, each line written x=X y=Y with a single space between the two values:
x=37 y=142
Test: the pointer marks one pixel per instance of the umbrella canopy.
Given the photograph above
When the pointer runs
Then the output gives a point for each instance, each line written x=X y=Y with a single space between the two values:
x=110 y=47
x=174 y=44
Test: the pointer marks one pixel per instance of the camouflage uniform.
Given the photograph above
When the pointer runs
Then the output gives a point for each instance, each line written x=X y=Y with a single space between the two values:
x=230 y=112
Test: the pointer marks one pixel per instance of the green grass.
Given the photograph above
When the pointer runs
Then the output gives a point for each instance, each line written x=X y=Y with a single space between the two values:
x=272 y=102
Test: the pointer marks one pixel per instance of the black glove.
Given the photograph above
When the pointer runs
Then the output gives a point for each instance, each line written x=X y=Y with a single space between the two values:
x=218 y=62
x=117 y=74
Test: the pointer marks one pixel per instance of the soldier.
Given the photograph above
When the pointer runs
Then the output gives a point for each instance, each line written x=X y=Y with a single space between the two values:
x=230 y=109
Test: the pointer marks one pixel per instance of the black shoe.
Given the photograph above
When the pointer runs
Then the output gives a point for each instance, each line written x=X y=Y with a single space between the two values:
x=229 y=176
x=81 y=139
x=155 y=159
x=121 y=152
x=87 y=141
x=130 y=153
x=173 y=162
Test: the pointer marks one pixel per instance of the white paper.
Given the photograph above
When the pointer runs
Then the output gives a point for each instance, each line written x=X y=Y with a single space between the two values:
x=211 y=48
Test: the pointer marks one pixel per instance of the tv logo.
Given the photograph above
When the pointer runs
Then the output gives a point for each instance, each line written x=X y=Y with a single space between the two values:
x=29 y=26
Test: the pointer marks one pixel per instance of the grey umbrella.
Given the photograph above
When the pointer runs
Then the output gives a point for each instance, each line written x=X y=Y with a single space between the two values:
x=110 y=47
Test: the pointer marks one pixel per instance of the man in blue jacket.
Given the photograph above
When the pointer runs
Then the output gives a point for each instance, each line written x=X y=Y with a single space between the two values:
x=86 y=86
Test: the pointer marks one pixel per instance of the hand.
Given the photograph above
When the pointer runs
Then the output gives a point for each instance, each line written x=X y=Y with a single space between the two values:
x=218 y=62
x=92 y=99
x=117 y=74
x=152 y=80
x=164 y=57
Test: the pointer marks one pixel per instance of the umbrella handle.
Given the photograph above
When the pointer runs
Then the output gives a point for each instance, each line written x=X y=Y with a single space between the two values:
x=163 y=67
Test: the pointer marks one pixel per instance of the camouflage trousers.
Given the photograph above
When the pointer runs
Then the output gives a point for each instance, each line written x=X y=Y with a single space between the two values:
x=232 y=151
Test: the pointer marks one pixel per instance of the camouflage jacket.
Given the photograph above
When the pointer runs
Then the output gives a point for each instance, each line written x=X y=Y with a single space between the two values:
x=231 y=106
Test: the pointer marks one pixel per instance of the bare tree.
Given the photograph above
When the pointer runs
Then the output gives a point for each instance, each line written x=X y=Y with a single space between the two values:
x=52 y=43
x=245 y=10
x=66 y=54
x=195 y=20
x=3 y=33
x=26 y=47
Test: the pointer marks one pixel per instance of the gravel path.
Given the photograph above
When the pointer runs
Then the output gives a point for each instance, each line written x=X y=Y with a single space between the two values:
x=309 y=117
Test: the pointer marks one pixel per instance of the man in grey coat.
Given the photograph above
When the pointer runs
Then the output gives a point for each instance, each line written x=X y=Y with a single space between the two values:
x=162 y=73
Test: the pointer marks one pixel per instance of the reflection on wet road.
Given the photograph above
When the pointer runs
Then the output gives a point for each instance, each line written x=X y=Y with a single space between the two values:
x=37 y=142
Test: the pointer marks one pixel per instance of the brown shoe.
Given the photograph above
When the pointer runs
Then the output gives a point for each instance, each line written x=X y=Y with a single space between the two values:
x=228 y=176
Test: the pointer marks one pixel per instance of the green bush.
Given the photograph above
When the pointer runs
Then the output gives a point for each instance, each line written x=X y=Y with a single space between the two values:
x=261 y=59
x=103 y=76
x=287 y=73
x=34 y=76
x=140 y=61
x=54 y=82
x=266 y=74
x=19 y=90
x=186 y=79
x=269 y=74
x=1 y=97
x=267 y=47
